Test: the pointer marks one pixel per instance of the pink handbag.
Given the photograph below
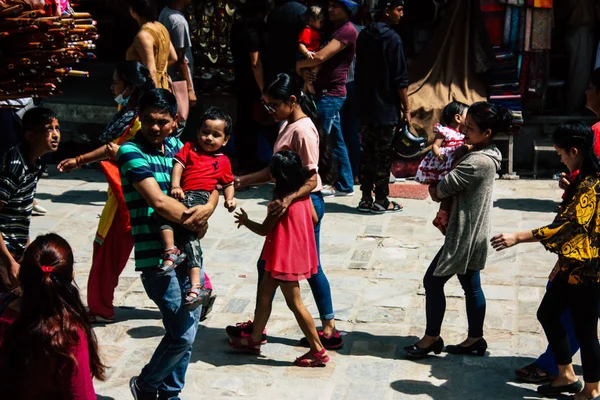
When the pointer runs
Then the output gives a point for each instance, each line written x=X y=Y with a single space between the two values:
x=180 y=90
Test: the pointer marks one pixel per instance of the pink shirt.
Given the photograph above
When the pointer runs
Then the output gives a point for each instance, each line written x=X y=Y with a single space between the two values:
x=301 y=137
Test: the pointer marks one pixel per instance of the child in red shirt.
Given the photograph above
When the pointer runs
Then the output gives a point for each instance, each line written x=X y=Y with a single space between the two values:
x=309 y=41
x=199 y=168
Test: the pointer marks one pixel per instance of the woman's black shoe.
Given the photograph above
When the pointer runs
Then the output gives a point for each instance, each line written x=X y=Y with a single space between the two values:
x=414 y=351
x=552 y=391
x=479 y=348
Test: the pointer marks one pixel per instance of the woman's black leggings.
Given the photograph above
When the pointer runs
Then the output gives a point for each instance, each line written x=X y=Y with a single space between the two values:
x=584 y=303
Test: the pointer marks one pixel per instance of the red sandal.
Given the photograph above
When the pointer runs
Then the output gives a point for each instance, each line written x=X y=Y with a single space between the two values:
x=313 y=359
x=250 y=347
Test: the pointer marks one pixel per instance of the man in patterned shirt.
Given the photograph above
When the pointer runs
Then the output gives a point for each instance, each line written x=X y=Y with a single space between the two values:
x=19 y=172
x=146 y=164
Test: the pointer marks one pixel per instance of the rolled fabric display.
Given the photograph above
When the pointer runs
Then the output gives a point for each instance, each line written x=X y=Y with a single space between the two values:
x=83 y=74
x=33 y=14
x=80 y=15
x=12 y=10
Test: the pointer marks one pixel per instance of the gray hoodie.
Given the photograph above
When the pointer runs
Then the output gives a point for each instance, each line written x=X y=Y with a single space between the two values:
x=470 y=184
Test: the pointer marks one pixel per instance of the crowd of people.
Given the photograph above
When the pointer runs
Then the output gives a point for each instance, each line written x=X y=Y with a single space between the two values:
x=162 y=192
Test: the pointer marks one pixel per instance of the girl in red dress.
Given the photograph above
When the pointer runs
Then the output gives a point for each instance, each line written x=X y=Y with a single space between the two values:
x=290 y=254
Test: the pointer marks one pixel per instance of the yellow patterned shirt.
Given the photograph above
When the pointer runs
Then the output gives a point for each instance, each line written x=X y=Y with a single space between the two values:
x=575 y=235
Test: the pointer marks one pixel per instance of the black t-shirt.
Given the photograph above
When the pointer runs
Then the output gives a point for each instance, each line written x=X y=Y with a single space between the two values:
x=245 y=38
x=283 y=27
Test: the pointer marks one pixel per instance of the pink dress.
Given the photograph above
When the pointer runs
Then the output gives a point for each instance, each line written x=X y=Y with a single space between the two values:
x=432 y=169
x=290 y=252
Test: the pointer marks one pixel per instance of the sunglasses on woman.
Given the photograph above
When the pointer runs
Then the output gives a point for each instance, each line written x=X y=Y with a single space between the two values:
x=272 y=106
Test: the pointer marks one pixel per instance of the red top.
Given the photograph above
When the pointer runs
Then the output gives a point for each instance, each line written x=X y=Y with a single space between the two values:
x=203 y=171
x=75 y=384
x=290 y=251
x=311 y=38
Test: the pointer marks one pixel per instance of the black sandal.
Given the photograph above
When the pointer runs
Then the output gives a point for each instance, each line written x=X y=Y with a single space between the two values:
x=365 y=206
x=385 y=207
x=196 y=296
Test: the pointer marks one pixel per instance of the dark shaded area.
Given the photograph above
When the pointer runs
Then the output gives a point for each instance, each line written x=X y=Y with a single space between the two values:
x=528 y=205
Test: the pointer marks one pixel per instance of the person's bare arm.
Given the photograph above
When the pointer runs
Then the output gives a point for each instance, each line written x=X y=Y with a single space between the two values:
x=241 y=218
x=332 y=48
x=437 y=144
x=173 y=56
x=144 y=46
x=257 y=69
x=176 y=190
x=70 y=164
x=403 y=94
x=171 y=209
x=307 y=53
x=183 y=66
x=507 y=240
x=279 y=207
x=12 y=266
x=255 y=178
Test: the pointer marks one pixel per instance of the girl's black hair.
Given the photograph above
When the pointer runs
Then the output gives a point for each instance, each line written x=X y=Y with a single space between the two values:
x=136 y=74
x=451 y=110
x=288 y=171
x=285 y=86
x=581 y=137
x=595 y=79
x=490 y=116
x=144 y=8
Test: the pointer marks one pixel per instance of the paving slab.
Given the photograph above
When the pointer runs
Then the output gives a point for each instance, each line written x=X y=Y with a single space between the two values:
x=375 y=264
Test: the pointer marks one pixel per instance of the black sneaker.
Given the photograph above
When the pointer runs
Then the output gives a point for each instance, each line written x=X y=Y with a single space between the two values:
x=334 y=342
x=137 y=393
x=243 y=329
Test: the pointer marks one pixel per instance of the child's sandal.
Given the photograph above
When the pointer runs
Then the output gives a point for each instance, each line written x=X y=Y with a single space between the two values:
x=250 y=347
x=313 y=359
x=175 y=256
x=194 y=298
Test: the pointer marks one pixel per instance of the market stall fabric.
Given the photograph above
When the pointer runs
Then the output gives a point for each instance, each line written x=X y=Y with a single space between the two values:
x=449 y=67
x=37 y=47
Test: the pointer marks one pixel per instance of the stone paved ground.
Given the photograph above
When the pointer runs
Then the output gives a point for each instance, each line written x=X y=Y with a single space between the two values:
x=375 y=265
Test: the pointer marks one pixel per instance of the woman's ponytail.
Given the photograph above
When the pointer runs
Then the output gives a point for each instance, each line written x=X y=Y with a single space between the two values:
x=285 y=86
x=136 y=74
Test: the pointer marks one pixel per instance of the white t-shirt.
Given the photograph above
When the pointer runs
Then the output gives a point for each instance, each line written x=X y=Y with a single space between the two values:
x=179 y=30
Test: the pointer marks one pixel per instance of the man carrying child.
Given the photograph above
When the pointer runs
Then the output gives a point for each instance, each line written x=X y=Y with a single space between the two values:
x=146 y=165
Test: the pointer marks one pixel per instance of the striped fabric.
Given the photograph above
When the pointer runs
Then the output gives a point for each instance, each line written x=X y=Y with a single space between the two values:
x=137 y=161
x=17 y=189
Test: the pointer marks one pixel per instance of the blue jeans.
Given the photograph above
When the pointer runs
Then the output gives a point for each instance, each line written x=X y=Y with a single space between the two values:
x=435 y=300
x=350 y=129
x=166 y=370
x=329 y=110
x=546 y=361
x=319 y=284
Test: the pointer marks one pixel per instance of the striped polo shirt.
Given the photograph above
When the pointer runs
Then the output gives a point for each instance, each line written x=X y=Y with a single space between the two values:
x=137 y=161
x=18 y=182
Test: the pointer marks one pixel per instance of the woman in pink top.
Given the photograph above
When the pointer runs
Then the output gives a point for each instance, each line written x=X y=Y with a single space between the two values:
x=47 y=347
x=299 y=132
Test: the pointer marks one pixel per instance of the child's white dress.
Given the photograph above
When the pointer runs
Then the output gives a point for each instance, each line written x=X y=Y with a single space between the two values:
x=432 y=169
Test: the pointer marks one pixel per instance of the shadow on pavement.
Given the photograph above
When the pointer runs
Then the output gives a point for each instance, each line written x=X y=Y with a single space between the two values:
x=130 y=313
x=530 y=205
x=75 y=196
x=211 y=347
x=469 y=377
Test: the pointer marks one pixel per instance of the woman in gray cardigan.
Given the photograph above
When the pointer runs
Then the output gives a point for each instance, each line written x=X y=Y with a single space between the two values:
x=464 y=252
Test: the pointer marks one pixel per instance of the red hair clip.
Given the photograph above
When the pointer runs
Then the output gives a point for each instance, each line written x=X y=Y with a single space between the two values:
x=47 y=268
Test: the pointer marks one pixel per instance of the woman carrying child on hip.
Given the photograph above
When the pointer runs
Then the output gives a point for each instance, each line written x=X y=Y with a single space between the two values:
x=198 y=169
x=448 y=148
x=289 y=239
x=309 y=41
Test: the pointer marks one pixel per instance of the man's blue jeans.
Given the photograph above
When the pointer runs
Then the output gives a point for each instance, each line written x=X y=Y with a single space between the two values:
x=319 y=284
x=166 y=370
x=546 y=361
x=329 y=110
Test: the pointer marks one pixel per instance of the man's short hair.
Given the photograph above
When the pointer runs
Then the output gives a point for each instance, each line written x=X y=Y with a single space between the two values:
x=217 y=114
x=36 y=117
x=159 y=99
